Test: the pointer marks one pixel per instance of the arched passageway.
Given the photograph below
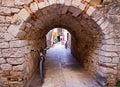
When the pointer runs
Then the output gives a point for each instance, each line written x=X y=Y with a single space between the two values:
x=93 y=44
x=63 y=70
x=84 y=39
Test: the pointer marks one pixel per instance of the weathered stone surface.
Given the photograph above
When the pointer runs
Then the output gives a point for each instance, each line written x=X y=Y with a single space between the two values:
x=2 y=60
x=100 y=21
x=22 y=2
x=76 y=3
x=64 y=10
x=108 y=54
x=115 y=9
x=8 y=19
x=2 y=19
x=18 y=22
x=8 y=2
x=15 y=61
x=82 y=6
x=90 y=10
x=25 y=15
x=68 y=2
x=3 y=81
x=4 y=45
x=15 y=31
x=52 y=2
x=27 y=49
x=114 y=19
x=5 y=11
x=115 y=60
x=18 y=43
x=3 y=27
x=18 y=68
x=104 y=59
x=110 y=48
x=77 y=13
x=15 y=10
x=108 y=41
x=13 y=52
x=42 y=5
x=1 y=35
x=34 y=7
x=61 y=1
x=8 y=37
x=5 y=67
x=16 y=73
x=108 y=70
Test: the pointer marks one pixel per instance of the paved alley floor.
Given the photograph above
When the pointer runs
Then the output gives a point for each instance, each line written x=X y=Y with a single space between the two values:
x=62 y=70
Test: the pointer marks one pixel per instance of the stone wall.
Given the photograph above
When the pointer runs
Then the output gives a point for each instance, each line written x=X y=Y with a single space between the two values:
x=95 y=36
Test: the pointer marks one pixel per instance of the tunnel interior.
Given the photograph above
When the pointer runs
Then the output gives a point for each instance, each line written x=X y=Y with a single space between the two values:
x=85 y=35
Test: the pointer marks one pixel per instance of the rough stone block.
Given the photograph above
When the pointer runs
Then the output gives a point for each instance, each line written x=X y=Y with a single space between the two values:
x=1 y=35
x=108 y=41
x=16 y=32
x=22 y=2
x=18 y=43
x=6 y=73
x=61 y=1
x=77 y=13
x=4 y=45
x=110 y=48
x=27 y=49
x=42 y=5
x=15 y=10
x=52 y=1
x=114 y=19
x=5 y=67
x=16 y=73
x=34 y=7
x=8 y=37
x=2 y=19
x=18 y=22
x=108 y=54
x=5 y=11
x=107 y=70
x=82 y=6
x=100 y=21
x=76 y=3
x=4 y=81
x=104 y=59
x=18 y=68
x=14 y=61
x=68 y=2
x=8 y=19
x=105 y=24
x=3 y=27
x=115 y=60
x=64 y=9
x=13 y=52
x=8 y=2
x=90 y=10
x=25 y=15
x=2 y=60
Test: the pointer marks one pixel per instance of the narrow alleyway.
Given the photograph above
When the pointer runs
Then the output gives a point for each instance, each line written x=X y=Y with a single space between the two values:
x=62 y=70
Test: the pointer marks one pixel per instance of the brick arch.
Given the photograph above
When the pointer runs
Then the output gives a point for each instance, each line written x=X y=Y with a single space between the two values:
x=107 y=50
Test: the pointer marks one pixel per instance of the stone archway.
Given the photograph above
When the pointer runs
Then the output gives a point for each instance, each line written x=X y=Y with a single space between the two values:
x=90 y=33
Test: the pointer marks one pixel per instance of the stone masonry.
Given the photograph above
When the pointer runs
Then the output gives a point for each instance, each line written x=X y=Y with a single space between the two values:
x=94 y=26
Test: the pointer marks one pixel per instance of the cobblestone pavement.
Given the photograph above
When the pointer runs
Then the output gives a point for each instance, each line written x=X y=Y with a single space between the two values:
x=62 y=70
